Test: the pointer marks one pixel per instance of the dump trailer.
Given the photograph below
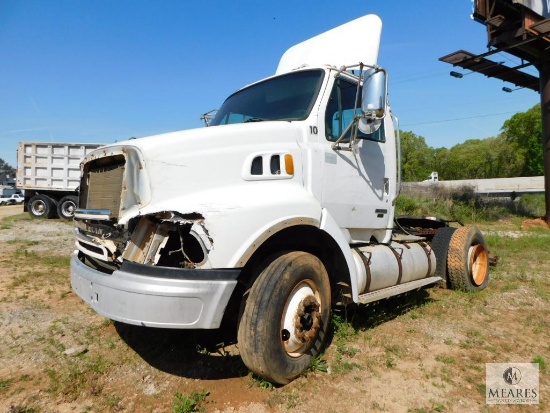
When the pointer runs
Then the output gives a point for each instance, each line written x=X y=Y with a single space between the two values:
x=49 y=173
x=280 y=209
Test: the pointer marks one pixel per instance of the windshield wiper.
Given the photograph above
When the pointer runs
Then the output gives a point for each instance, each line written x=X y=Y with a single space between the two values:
x=254 y=120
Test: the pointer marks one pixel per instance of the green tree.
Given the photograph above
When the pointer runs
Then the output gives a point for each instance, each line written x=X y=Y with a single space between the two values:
x=5 y=171
x=415 y=157
x=481 y=159
x=524 y=132
x=440 y=161
x=468 y=160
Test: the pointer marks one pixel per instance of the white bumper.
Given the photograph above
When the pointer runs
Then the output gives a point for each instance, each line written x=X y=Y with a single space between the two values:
x=156 y=296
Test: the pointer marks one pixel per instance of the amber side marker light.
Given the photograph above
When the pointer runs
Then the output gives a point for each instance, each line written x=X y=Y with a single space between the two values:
x=289 y=164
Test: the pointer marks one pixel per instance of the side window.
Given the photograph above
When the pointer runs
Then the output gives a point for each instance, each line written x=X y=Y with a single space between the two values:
x=340 y=112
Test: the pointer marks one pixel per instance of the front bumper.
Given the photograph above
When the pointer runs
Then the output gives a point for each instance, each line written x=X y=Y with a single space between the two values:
x=156 y=296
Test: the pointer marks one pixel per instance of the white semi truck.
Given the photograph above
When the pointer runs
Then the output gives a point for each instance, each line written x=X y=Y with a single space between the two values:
x=49 y=173
x=281 y=208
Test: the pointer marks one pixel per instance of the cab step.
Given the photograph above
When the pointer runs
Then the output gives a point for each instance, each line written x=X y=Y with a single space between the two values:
x=396 y=290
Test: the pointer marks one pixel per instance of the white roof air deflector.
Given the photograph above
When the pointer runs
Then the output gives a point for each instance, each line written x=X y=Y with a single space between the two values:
x=355 y=42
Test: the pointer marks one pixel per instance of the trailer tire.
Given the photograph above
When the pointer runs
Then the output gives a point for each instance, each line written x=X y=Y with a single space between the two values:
x=467 y=260
x=66 y=207
x=286 y=317
x=440 y=246
x=41 y=206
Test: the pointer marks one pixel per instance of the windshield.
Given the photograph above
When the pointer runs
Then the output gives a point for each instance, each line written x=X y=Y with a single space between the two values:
x=287 y=97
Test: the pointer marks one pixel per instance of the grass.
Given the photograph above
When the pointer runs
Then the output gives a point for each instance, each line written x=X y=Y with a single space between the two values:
x=284 y=397
x=540 y=361
x=39 y=269
x=318 y=364
x=7 y=222
x=74 y=375
x=438 y=407
x=5 y=384
x=466 y=206
x=445 y=359
x=184 y=403
x=257 y=381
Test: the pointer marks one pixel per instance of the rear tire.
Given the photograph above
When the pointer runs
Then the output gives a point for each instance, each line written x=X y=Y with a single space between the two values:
x=440 y=246
x=286 y=316
x=41 y=206
x=467 y=260
x=66 y=207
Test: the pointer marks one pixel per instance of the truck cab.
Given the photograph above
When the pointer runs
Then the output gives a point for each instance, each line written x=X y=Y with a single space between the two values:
x=279 y=209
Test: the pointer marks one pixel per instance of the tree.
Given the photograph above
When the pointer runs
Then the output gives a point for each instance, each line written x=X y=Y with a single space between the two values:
x=5 y=171
x=415 y=157
x=524 y=132
x=441 y=158
x=468 y=160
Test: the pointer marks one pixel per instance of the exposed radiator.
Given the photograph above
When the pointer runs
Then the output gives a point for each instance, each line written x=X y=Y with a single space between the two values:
x=101 y=187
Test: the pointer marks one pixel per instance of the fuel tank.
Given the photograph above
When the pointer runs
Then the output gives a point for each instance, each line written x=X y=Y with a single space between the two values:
x=382 y=266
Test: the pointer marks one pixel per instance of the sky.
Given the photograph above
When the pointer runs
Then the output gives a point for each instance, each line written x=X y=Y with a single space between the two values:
x=102 y=71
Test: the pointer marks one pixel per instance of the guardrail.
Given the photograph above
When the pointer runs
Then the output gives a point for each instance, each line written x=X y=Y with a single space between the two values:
x=495 y=186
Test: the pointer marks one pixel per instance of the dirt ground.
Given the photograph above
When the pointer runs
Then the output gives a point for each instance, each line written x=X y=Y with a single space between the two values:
x=6 y=211
x=423 y=353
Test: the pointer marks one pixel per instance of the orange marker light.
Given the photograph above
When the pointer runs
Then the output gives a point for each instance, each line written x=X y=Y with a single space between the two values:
x=289 y=164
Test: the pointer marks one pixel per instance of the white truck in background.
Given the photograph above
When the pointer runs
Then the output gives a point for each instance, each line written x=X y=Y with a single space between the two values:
x=434 y=177
x=282 y=208
x=49 y=173
x=12 y=199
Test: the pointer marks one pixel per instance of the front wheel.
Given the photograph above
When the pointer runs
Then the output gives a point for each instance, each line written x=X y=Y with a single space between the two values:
x=286 y=316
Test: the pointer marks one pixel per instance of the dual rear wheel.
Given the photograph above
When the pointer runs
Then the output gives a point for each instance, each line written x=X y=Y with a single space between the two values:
x=43 y=206
x=468 y=260
x=462 y=258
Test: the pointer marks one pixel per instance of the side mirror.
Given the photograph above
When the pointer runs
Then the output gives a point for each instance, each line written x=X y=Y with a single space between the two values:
x=373 y=102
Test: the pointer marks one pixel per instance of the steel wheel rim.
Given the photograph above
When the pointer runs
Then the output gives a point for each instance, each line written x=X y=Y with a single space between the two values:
x=478 y=263
x=298 y=331
x=68 y=209
x=38 y=207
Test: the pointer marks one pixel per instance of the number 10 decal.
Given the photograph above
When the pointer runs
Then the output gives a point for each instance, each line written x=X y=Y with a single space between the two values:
x=313 y=130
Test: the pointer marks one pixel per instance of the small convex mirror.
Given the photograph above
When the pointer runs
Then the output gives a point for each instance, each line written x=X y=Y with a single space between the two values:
x=373 y=102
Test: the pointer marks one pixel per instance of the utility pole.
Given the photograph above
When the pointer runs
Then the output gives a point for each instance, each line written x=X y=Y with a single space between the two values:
x=544 y=74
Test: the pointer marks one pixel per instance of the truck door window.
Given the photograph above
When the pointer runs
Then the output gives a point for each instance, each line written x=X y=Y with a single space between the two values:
x=341 y=110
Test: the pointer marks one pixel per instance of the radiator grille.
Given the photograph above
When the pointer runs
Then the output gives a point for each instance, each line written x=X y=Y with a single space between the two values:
x=102 y=186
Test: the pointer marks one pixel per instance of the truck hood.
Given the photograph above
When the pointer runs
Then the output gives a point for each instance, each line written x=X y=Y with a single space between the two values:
x=176 y=148
x=187 y=171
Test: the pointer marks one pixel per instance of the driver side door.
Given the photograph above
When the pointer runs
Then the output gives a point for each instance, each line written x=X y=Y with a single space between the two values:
x=356 y=182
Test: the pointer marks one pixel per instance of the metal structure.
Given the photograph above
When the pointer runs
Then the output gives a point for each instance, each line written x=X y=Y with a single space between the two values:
x=522 y=29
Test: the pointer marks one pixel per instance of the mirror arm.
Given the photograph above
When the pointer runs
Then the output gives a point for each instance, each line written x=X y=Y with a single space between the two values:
x=361 y=65
x=336 y=145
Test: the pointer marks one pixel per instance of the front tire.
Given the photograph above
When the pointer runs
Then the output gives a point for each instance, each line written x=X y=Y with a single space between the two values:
x=468 y=260
x=286 y=316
